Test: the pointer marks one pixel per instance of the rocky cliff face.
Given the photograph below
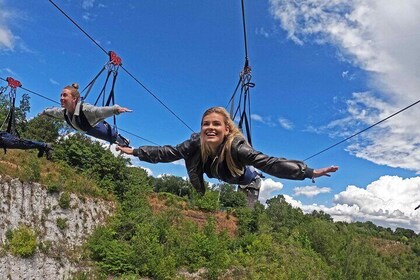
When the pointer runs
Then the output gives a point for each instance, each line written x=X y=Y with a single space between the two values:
x=60 y=232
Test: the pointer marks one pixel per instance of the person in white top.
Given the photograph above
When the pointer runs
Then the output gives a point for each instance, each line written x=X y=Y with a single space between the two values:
x=86 y=117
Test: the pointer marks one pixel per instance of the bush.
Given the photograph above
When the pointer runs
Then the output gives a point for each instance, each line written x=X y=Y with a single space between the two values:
x=62 y=223
x=64 y=201
x=23 y=242
x=209 y=202
x=31 y=171
x=53 y=188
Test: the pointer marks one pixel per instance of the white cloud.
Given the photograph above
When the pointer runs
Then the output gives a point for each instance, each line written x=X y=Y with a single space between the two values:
x=54 y=82
x=179 y=162
x=387 y=202
x=267 y=120
x=285 y=123
x=8 y=71
x=257 y=118
x=88 y=4
x=261 y=31
x=310 y=191
x=7 y=39
x=268 y=187
x=382 y=38
x=148 y=170
x=348 y=76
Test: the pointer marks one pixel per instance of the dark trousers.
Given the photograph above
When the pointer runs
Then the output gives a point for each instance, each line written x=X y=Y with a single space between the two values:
x=10 y=141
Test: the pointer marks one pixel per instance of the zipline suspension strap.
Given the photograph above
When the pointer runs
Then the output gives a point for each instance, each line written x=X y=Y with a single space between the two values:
x=112 y=67
x=244 y=103
x=12 y=84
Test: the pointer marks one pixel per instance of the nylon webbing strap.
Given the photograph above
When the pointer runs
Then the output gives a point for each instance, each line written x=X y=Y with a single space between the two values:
x=11 y=121
x=90 y=85
x=112 y=67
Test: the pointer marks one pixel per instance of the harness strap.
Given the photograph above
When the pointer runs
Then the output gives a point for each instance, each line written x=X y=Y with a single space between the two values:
x=81 y=120
x=11 y=120
x=90 y=85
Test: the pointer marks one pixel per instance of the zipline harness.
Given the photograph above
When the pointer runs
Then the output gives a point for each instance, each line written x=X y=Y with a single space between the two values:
x=12 y=85
x=9 y=138
x=103 y=130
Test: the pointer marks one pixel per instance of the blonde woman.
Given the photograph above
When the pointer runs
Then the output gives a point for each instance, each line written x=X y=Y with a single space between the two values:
x=221 y=151
x=87 y=118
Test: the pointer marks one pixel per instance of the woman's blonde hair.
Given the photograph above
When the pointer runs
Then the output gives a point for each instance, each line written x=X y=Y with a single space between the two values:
x=227 y=144
x=74 y=90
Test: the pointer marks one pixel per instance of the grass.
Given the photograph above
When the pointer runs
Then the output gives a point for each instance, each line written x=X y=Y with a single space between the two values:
x=26 y=166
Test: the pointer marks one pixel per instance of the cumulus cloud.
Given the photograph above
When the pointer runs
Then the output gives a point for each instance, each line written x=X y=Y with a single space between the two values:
x=310 y=191
x=179 y=162
x=268 y=187
x=382 y=38
x=7 y=39
x=387 y=202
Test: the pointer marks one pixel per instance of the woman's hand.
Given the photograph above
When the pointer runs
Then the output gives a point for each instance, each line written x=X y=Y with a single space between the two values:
x=125 y=150
x=324 y=171
x=123 y=110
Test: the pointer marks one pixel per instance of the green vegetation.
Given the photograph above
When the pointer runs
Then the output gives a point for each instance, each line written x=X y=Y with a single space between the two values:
x=62 y=223
x=64 y=200
x=22 y=242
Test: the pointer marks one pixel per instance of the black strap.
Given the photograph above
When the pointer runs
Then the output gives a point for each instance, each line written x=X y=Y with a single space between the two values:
x=81 y=120
x=90 y=85
x=102 y=92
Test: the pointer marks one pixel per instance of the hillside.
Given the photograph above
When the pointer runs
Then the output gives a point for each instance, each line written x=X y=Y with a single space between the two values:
x=88 y=215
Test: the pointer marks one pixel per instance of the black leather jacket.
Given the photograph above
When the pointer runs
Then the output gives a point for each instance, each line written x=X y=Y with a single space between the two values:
x=242 y=153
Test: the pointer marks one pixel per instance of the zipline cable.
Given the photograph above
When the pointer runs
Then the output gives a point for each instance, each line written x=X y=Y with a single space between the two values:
x=56 y=102
x=244 y=27
x=132 y=76
x=363 y=130
x=78 y=26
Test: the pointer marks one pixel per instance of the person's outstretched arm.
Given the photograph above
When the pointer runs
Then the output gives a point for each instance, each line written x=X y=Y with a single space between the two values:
x=278 y=167
x=167 y=153
x=54 y=112
x=94 y=114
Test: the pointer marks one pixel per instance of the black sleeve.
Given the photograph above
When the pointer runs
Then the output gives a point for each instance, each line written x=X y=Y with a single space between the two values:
x=168 y=153
x=244 y=154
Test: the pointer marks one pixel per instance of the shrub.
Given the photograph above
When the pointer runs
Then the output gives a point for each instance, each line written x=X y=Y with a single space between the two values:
x=62 y=223
x=32 y=171
x=23 y=242
x=64 y=200
x=53 y=188
x=209 y=202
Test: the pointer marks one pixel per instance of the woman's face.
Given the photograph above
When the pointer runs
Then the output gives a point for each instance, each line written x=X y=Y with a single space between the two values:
x=67 y=101
x=214 y=130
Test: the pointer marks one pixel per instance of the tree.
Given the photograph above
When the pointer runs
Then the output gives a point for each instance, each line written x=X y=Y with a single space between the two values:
x=172 y=184
x=321 y=215
x=230 y=198
x=43 y=129
x=92 y=159
x=282 y=214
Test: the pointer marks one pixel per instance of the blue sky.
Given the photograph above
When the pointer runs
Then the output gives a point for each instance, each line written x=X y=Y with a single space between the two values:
x=323 y=70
